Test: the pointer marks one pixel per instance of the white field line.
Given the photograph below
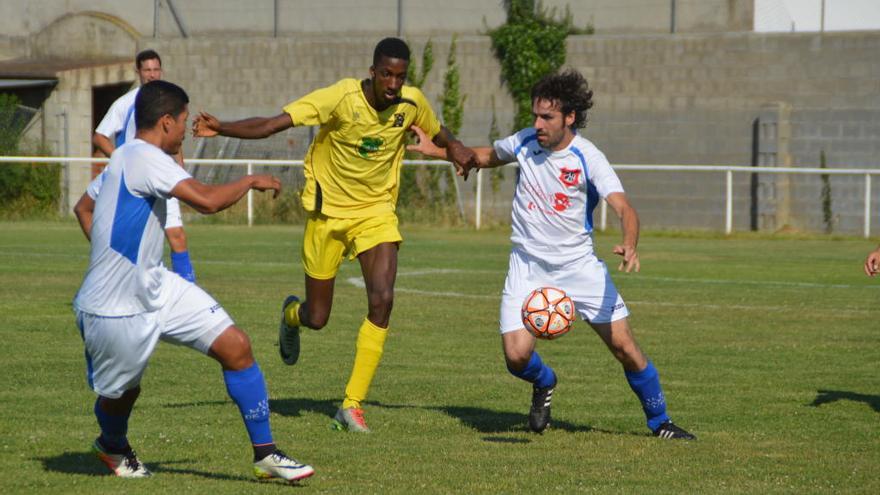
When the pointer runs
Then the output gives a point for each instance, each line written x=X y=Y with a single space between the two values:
x=358 y=282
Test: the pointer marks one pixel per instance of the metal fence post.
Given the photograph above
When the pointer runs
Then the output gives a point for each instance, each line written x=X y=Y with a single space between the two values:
x=603 y=216
x=250 y=197
x=479 y=202
x=728 y=207
x=867 y=229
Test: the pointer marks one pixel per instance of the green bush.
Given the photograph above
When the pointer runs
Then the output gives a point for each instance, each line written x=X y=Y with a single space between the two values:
x=530 y=45
x=27 y=190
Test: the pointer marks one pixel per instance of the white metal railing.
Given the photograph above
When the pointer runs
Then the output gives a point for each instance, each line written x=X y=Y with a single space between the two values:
x=727 y=170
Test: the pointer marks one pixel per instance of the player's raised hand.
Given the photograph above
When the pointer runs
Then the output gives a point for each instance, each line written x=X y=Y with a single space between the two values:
x=872 y=263
x=265 y=183
x=630 y=260
x=205 y=125
x=462 y=157
x=425 y=146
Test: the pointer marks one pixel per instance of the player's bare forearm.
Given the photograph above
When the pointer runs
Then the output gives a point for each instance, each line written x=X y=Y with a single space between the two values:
x=209 y=199
x=206 y=125
x=103 y=143
x=629 y=223
x=84 y=211
x=176 y=239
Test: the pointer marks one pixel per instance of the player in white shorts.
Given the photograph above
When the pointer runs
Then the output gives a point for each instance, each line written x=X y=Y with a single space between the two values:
x=118 y=127
x=562 y=177
x=128 y=300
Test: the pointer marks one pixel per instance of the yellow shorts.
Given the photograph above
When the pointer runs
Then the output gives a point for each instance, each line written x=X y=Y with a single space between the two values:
x=327 y=240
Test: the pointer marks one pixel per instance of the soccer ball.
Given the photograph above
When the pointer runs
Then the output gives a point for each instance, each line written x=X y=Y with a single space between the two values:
x=548 y=312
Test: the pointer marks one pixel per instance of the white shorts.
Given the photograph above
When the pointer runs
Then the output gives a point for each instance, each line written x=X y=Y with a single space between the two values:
x=173 y=217
x=117 y=348
x=586 y=282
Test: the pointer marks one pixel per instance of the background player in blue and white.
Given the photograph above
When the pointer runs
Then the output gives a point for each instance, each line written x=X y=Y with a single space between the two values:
x=118 y=127
x=129 y=301
x=562 y=177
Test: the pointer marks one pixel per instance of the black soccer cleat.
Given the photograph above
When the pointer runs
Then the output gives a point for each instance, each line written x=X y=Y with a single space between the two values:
x=288 y=336
x=670 y=431
x=539 y=414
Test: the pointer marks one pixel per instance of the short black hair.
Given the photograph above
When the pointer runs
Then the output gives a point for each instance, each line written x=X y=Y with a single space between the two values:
x=144 y=56
x=155 y=99
x=391 y=48
x=570 y=91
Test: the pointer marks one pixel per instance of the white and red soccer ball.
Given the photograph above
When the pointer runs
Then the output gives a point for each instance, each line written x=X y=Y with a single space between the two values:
x=548 y=312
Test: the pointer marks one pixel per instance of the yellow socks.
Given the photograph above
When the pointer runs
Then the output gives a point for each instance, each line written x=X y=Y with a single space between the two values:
x=291 y=315
x=370 y=343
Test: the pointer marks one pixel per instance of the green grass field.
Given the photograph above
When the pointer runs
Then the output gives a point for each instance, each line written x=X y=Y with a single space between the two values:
x=768 y=349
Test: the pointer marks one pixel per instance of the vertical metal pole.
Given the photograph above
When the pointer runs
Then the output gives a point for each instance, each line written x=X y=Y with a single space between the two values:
x=603 y=216
x=64 y=150
x=822 y=17
x=479 y=202
x=728 y=207
x=867 y=229
x=399 y=18
x=250 y=198
x=672 y=17
x=275 y=18
x=155 y=18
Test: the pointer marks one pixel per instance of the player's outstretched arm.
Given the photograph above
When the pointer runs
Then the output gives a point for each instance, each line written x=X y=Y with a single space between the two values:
x=206 y=125
x=629 y=222
x=483 y=157
x=208 y=199
x=872 y=263
x=84 y=211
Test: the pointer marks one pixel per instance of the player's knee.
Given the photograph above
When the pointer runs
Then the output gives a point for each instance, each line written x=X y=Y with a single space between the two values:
x=381 y=301
x=317 y=318
x=517 y=361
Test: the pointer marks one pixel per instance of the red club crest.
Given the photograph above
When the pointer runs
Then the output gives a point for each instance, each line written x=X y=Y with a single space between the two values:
x=570 y=176
x=561 y=202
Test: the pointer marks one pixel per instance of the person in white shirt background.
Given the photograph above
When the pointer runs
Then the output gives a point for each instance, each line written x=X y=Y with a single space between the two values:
x=118 y=127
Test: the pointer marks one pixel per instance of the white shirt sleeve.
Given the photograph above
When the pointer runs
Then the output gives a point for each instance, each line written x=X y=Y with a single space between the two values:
x=601 y=174
x=114 y=120
x=154 y=174
x=173 y=218
x=95 y=186
x=506 y=148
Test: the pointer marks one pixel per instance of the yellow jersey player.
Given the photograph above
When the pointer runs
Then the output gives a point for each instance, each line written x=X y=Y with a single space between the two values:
x=352 y=172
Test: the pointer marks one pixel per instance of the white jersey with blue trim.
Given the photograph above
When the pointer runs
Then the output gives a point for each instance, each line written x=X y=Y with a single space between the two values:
x=556 y=193
x=118 y=123
x=125 y=275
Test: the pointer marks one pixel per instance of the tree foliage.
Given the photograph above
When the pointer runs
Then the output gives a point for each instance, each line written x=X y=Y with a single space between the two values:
x=530 y=45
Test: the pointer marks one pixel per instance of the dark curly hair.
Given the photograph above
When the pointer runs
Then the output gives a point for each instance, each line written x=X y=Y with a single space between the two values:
x=570 y=91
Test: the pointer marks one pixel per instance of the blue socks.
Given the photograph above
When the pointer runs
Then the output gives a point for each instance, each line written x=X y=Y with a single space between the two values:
x=646 y=385
x=536 y=372
x=182 y=266
x=113 y=429
x=248 y=390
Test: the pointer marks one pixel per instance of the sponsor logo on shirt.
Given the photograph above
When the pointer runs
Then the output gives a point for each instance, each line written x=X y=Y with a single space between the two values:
x=561 y=202
x=370 y=145
x=570 y=177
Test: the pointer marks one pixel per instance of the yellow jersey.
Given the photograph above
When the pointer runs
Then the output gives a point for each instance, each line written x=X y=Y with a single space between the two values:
x=352 y=168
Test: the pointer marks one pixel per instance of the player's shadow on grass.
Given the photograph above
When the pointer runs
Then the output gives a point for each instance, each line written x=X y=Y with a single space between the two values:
x=86 y=463
x=490 y=421
x=828 y=396
x=296 y=407
x=284 y=407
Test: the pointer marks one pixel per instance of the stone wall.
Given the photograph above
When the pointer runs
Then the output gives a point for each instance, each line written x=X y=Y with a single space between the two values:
x=673 y=99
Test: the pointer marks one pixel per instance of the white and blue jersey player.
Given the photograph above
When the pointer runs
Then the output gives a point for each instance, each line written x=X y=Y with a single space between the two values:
x=562 y=177
x=118 y=127
x=129 y=301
